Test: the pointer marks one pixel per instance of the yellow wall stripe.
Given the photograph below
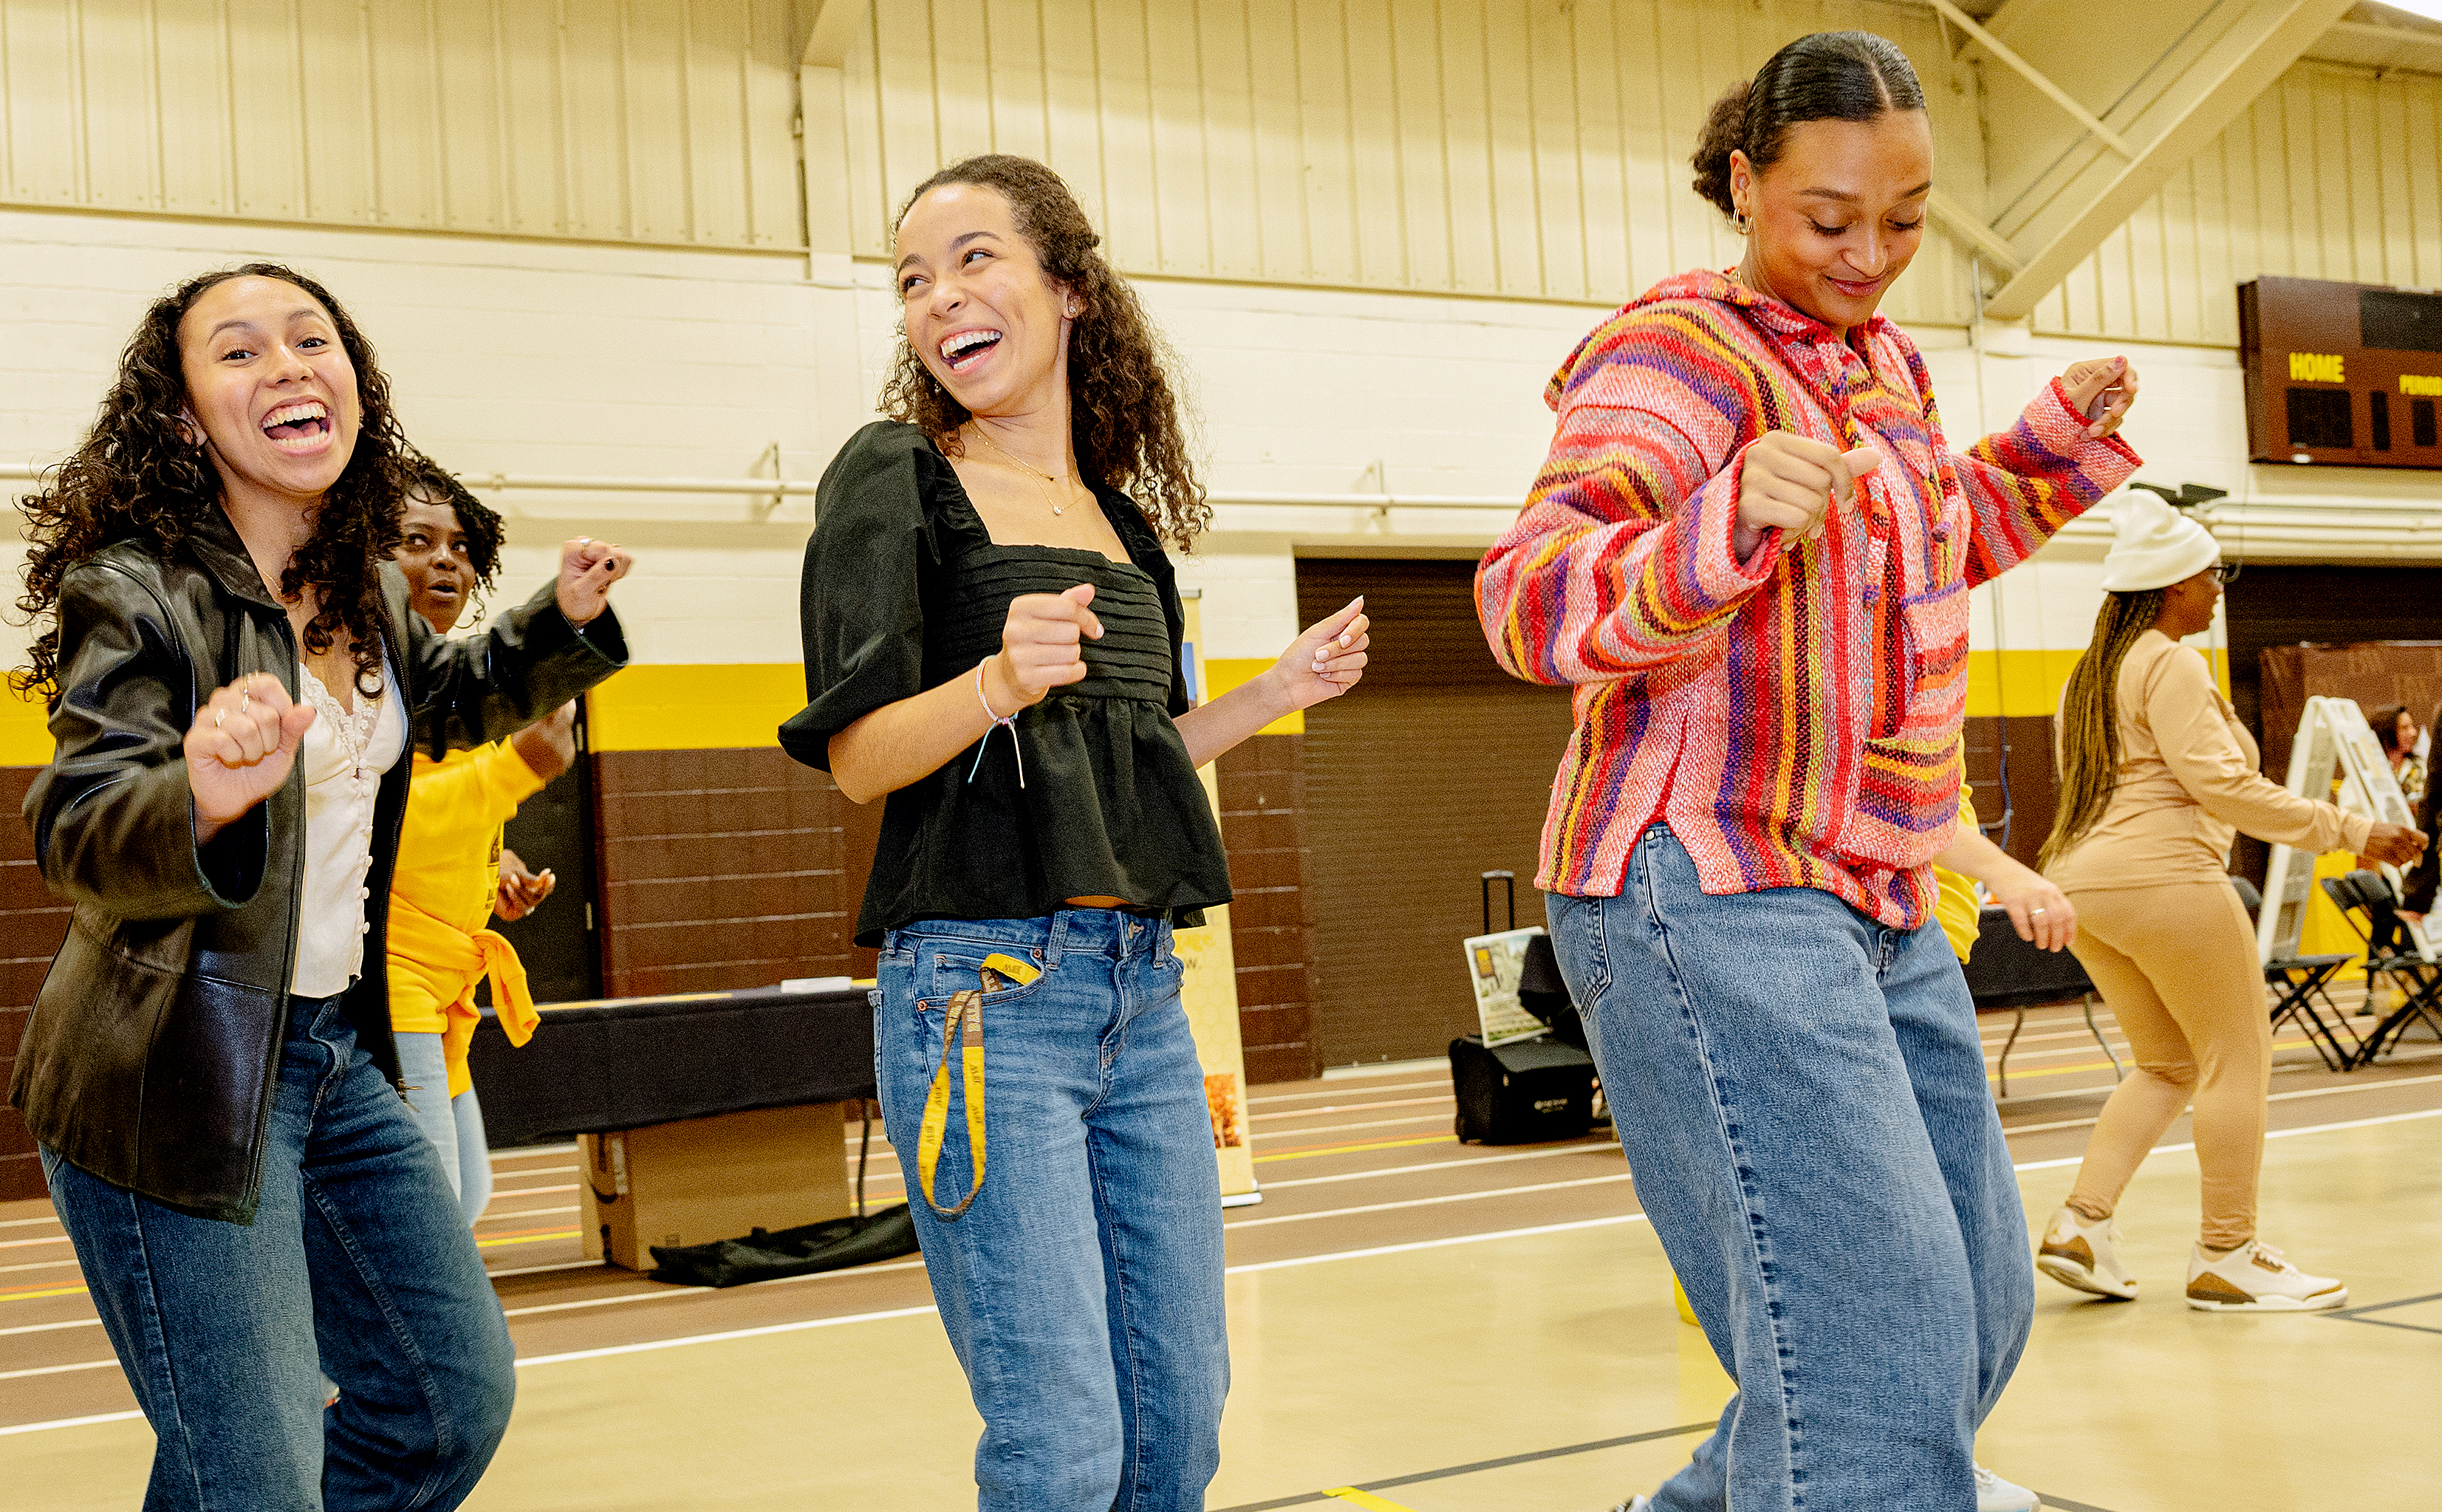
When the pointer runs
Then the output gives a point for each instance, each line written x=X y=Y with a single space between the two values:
x=1227 y=672
x=24 y=731
x=680 y=707
x=2025 y=683
x=686 y=707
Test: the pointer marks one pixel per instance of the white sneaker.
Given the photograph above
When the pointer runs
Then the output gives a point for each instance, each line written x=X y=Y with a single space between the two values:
x=2086 y=1256
x=1635 y=1504
x=1993 y=1494
x=2256 y=1278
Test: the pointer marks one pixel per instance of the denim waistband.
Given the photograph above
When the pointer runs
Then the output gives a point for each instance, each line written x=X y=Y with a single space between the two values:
x=1093 y=931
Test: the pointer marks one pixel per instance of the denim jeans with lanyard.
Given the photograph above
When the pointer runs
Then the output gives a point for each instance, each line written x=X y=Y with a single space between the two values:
x=1080 y=1285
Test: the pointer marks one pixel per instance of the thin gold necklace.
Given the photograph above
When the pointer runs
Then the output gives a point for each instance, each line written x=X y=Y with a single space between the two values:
x=1045 y=479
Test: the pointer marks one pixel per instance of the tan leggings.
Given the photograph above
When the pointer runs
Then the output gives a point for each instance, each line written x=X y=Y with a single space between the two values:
x=2176 y=965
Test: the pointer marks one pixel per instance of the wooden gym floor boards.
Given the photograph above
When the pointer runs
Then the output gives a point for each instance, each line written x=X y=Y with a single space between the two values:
x=1453 y=1326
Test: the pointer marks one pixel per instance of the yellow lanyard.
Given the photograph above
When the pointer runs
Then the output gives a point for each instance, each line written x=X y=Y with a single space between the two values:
x=965 y=1020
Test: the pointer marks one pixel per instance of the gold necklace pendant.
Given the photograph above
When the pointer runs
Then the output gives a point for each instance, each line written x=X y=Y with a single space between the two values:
x=1044 y=479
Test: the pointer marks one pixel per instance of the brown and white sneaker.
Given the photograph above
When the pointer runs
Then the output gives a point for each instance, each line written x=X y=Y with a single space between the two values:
x=2256 y=1278
x=2086 y=1256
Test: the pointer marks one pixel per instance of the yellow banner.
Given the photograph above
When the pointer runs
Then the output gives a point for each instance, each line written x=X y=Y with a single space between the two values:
x=1210 y=992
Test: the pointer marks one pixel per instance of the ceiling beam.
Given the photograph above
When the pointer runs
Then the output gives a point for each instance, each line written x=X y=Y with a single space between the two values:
x=832 y=32
x=2035 y=75
x=2177 y=74
x=1968 y=227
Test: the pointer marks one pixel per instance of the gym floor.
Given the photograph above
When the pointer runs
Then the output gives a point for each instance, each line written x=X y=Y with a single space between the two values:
x=1418 y=1324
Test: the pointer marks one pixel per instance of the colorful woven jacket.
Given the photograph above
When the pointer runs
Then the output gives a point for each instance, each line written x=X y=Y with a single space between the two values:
x=1793 y=717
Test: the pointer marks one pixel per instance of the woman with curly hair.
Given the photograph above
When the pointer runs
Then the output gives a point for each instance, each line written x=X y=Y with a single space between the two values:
x=991 y=558
x=232 y=675
x=453 y=873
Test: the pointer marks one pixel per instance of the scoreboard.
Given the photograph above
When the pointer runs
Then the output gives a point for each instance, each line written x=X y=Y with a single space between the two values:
x=2347 y=373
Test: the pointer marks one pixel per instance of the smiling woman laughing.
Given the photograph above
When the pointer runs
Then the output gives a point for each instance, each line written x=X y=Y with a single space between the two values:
x=233 y=675
x=991 y=559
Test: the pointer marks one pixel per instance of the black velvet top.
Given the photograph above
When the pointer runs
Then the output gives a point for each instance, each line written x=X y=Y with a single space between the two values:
x=905 y=590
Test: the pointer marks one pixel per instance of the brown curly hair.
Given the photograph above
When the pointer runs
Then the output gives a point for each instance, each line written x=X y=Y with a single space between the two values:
x=137 y=477
x=1125 y=416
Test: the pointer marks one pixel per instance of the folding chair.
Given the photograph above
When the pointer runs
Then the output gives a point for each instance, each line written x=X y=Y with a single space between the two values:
x=2300 y=985
x=2007 y=973
x=2393 y=955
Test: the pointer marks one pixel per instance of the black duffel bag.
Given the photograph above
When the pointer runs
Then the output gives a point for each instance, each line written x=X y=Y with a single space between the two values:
x=768 y=1254
x=1527 y=1092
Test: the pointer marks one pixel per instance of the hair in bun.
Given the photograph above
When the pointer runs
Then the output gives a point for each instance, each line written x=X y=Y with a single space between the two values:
x=1826 y=76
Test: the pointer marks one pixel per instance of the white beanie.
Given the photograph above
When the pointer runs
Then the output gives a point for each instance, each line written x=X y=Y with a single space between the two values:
x=2153 y=546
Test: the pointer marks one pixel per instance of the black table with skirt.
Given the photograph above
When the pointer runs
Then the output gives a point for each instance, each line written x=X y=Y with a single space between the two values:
x=627 y=1063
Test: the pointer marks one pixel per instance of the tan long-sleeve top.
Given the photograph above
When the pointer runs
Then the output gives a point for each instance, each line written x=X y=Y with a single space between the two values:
x=2187 y=783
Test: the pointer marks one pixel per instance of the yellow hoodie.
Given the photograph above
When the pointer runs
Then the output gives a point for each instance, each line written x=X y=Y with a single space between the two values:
x=441 y=902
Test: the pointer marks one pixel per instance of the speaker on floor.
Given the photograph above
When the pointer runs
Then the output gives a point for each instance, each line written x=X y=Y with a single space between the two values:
x=1527 y=1092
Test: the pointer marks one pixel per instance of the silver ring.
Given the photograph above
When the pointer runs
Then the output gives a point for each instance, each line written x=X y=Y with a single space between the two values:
x=2035 y=913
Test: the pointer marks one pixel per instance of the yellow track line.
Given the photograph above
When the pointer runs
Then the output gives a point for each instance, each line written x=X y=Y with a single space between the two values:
x=1352 y=1149
x=30 y=1296
x=1366 y=1499
x=524 y=1239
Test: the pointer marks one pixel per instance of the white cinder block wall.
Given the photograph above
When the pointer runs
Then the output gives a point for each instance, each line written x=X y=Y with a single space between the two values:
x=528 y=357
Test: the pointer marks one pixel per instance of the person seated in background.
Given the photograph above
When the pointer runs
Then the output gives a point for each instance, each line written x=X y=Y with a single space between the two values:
x=2396 y=729
x=452 y=874
x=2418 y=887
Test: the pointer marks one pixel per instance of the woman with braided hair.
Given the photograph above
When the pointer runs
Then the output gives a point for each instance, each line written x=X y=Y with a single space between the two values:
x=2157 y=777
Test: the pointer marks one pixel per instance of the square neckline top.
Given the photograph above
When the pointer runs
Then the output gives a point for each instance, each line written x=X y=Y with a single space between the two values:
x=904 y=590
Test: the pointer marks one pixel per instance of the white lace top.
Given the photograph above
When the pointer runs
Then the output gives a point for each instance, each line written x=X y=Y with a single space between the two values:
x=344 y=754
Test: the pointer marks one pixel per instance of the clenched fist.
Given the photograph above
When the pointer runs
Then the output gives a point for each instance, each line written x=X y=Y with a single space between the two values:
x=240 y=748
x=1041 y=648
x=587 y=570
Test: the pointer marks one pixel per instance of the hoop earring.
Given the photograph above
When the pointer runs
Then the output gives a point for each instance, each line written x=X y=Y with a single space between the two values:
x=1742 y=224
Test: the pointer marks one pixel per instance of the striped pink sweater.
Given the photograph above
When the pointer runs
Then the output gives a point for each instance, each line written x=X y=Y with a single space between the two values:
x=1794 y=716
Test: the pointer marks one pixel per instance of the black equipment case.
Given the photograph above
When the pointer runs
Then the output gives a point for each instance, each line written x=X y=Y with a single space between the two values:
x=1526 y=1091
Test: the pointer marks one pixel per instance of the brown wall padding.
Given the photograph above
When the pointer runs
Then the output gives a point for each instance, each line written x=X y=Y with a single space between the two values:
x=32 y=923
x=1437 y=767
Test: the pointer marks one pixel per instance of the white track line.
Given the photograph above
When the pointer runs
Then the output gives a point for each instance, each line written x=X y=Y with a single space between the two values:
x=38 y=1264
x=537 y=1270
x=1344 y=1091
x=45 y=1329
x=1606 y=1147
x=2269 y=1134
x=721 y=1338
x=57 y=1370
x=69 y=1422
x=1351 y=1107
x=1419 y=1202
x=1294 y=1262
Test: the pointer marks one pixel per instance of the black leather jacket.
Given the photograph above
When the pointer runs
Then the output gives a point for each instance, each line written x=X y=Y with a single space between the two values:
x=154 y=1048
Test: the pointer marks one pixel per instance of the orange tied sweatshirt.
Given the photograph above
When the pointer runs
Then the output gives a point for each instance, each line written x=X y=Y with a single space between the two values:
x=441 y=902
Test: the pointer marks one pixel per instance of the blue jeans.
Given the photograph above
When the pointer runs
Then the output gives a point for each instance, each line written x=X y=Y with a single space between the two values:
x=1083 y=1290
x=1800 y=1092
x=454 y=1124
x=357 y=1257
